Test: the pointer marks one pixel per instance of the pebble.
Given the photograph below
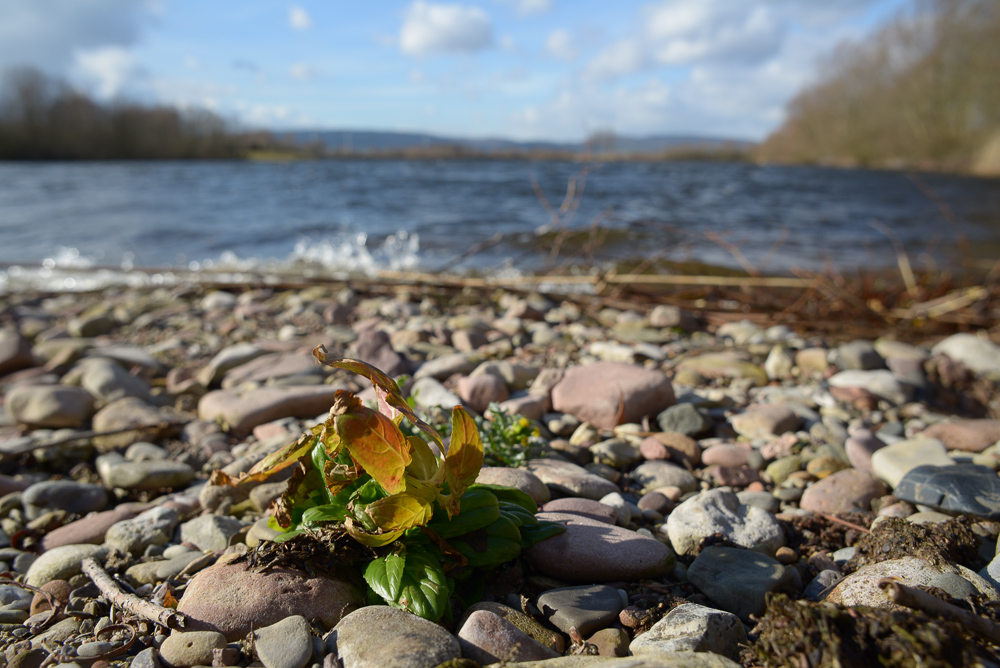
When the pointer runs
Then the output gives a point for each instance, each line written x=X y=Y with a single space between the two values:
x=153 y=527
x=107 y=382
x=595 y=510
x=764 y=421
x=231 y=599
x=428 y=392
x=719 y=511
x=967 y=489
x=685 y=419
x=965 y=435
x=62 y=563
x=879 y=382
x=49 y=406
x=860 y=447
x=861 y=587
x=211 y=532
x=520 y=479
x=695 y=628
x=488 y=638
x=542 y=634
x=842 y=492
x=738 y=580
x=402 y=640
x=286 y=644
x=77 y=498
x=596 y=393
x=149 y=474
x=651 y=475
x=478 y=392
x=595 y=551
x=243 y=409
x=731 y=364
x=191 y=648
x=568 y=478
x=587 y=608
x=978 y=354
x=894 y=461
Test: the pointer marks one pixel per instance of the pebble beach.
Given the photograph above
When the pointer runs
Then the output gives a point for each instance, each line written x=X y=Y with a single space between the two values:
x=735 y=494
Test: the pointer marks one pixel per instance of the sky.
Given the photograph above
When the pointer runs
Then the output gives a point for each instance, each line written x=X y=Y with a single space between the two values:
x=521 y=69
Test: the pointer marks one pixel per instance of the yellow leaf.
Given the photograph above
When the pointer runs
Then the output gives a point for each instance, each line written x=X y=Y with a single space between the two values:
x=465 y=454
x=400 y=511
x=370 y=539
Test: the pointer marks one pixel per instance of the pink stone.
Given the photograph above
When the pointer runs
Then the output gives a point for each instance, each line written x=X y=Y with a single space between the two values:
x=531 y=406
x=591 y=551
x=243 y=410
x=607 y=394
x=233 y=600
x=588 y=508
x=842 y=492
x=967 y=435
x=860 y=447
x=273 y=365
x=488 y=638
x=765 y=420
x=90 y=530
x=725 y=454
x=477 y=392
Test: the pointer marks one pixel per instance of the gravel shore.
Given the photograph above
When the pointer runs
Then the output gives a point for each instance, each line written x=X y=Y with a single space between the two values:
x=732 y=494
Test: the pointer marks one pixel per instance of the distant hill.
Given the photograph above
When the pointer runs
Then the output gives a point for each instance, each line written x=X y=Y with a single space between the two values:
x=374 y=141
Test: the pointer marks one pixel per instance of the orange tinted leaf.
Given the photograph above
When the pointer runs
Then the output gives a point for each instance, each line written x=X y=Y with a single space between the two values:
x=377 y=444
x=465 y=454
x=265 y=468
x=400 y=511
x=390 y=398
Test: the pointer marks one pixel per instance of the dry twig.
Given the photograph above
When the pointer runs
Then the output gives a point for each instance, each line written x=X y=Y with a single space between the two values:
x=917 y=599
x=130 y=602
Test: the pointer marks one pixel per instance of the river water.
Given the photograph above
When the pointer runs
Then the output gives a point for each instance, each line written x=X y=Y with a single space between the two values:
x=362 y=216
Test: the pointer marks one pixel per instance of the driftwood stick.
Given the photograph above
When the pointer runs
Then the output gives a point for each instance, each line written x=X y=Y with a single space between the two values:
x=130 y=602
x=849 y=525
x=917 y=599
x=82 y=436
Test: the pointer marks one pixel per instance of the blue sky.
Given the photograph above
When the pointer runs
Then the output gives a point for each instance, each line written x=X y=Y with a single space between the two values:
x=523 y=69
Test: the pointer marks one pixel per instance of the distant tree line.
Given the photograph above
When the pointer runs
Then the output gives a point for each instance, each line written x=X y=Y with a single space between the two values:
x=922 y=92
x=43 y=118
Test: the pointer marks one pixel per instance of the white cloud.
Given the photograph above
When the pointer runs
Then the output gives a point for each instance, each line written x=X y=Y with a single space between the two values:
x=299 y=19
x=682 y=32
x=192 y=63
x=431 y=29
x=49 y=34
x=508 y=43
x=560 y=44
x=107 y=68
x=302 y=72
x=617 y=60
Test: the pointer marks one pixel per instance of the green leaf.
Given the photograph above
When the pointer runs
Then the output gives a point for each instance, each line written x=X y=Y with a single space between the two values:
x=424 y=465
x=479 y=509
x=516 y=514
x=421 y=588
x=536 y=533
x=485 y=548
x=324 y=513
x=385 y=576
x=510 y=495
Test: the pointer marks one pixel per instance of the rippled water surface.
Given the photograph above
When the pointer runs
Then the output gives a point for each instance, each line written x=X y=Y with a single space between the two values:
x=367 y=215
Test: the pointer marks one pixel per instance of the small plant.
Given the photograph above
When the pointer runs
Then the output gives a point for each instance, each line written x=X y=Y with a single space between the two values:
x=426 y=522
x=506 y=437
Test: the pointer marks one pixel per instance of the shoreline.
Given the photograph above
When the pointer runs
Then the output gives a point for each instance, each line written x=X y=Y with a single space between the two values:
x=768 y=415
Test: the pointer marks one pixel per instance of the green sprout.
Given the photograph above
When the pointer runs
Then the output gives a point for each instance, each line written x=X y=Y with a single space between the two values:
x=506 y=438
x=427 y=524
